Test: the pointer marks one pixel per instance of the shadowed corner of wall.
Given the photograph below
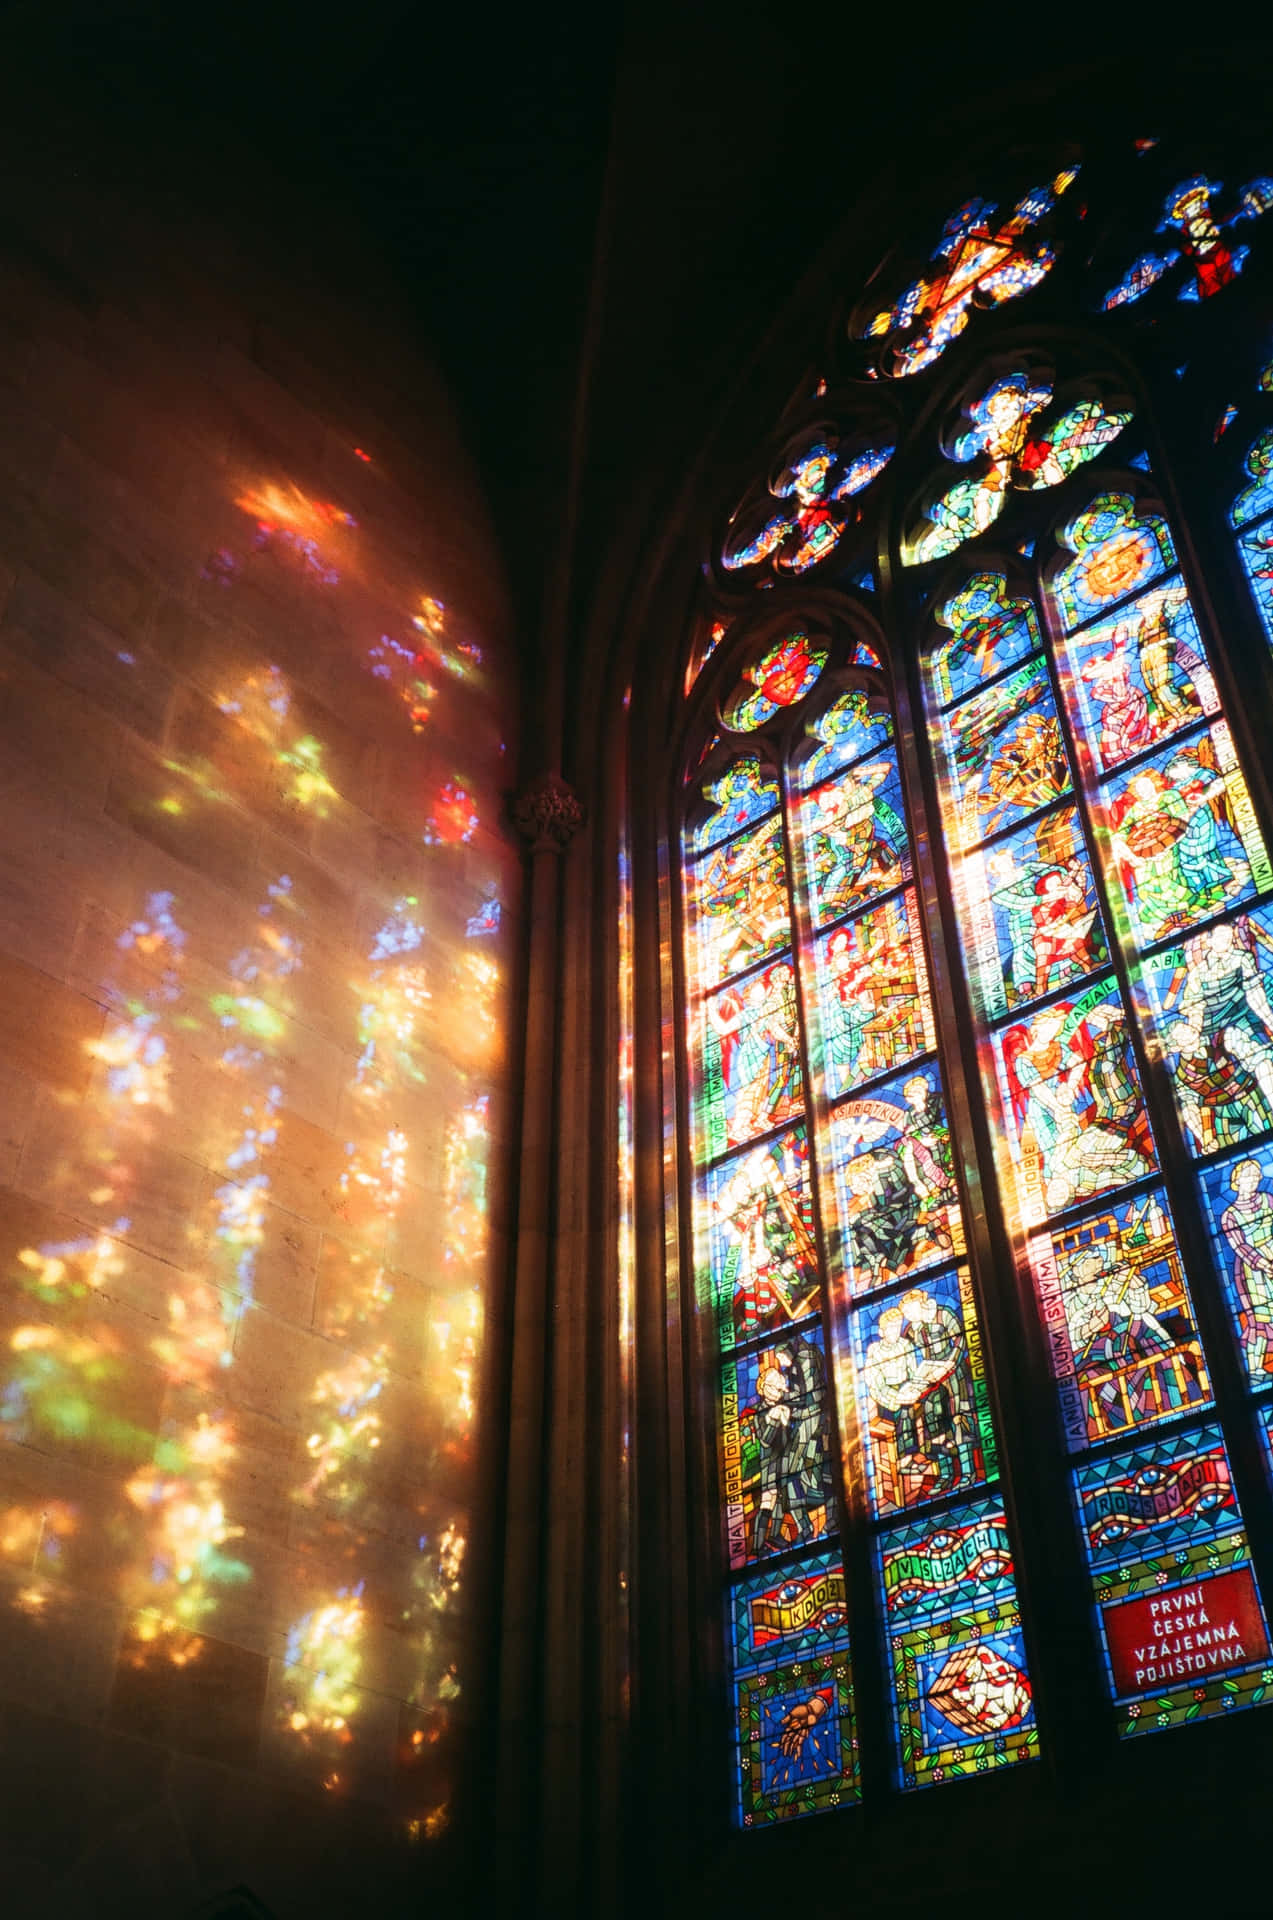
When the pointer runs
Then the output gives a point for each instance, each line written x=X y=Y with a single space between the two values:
x=238 y=1903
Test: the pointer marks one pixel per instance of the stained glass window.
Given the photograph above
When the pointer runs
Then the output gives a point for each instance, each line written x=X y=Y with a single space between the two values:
x=977 y=966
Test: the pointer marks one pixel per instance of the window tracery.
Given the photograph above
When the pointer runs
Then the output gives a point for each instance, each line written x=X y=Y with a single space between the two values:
x=1104 y=1006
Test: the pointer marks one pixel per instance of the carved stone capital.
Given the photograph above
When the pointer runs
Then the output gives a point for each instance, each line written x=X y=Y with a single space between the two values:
x=547 y=813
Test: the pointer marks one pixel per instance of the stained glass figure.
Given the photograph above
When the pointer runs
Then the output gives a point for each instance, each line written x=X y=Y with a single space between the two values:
x=788 y=1637
x=1116 y=552
x=1257 y=499
x=855 y=837
x=1181 y=1622
x=746 y=791
x=1139 y=675
x=1264 y=379
x=856 y=724
x=784 y=672
x=1004 y=755
x=1195 y=239
x=1183 y=840
x=1029 y=907
x=895 y=1181
x=989 y=632
x=922 y=1393
x=1001 y=434
x=776 y=1447
x=814 y=483
x=764 y=1260
x=751 y=1058
x=1210 y=1002
x=962 y=1699
x=1119 y=1322
x=873 y=991
x=1239 y=1200
x=978 y=259
x=739 y=893
x=1255 y=546
x=1071 y=1103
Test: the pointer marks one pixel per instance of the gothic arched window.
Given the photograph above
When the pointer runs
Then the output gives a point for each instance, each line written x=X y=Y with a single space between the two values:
x=976 y=978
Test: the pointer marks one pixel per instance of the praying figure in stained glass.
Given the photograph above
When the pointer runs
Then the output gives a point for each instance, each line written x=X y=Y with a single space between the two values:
x=789 y=1429
x=1247 y=1225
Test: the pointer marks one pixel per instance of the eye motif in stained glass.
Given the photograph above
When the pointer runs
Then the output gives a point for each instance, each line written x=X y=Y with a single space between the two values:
x=1030 y=908
x=1183 y=836
x=814 y=483
x=751 y=1058
x=848 y=730
x=895 y=1182
x=1257 y=499
x=1140 y=675
x=1210 y=998
x=1239 y=1199
x=1195 y=239
x=782 y=675
x=740 y=899
x=876 y=1012
x=1115 y=553
x=764 y=1261
x=1072 y=1103
x=1119 y=1321
x=979 y=260
x=990 y=632
x=776 y=1448
x=1005 y=756
x=855 y=837
x=922 y=1394
x=962 y=1699
x=746 y=791
x=788 y=1633
x=1001 y=432
x=1181 y=1622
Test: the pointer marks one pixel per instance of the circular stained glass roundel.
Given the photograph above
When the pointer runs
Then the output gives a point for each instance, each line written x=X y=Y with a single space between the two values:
x=779 y=676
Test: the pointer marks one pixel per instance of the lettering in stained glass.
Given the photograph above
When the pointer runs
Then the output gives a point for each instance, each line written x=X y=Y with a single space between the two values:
x=1238 y=1195
x=962 y=1700
x=922 y=1393
x=873 y=993
x=1119 y=1322
x=1181 y=1622
x=1183 y=840
x=898 y=1207
x=764 y=1258
x=776 y=1447
x=1210 y=1004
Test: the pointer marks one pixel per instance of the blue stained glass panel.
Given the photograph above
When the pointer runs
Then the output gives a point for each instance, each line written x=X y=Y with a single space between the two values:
x=1209 y=1000
x=873 y=994
x=1116 y=553
x=922 y=1396
x=1138 y=676
x=1182 y=834
x=1181 y=1621
x=1257 y=499
x=962 y=1699
x=847 y=731
x=1238 y=1193
x=897 y=1203
x=745 y=792
x=1003 y=756
x=1255 y=548
x=990 y=631
x=776 y=1448
x=855 y=838
x=1119 y=1320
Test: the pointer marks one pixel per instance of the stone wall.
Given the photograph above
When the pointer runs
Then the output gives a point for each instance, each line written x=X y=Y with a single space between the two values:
x=255 y=905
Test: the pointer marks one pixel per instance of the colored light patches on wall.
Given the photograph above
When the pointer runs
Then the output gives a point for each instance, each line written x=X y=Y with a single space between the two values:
x=1181 y=1622
x=796 y=1743
x=962 y=1701
x=982 y=258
